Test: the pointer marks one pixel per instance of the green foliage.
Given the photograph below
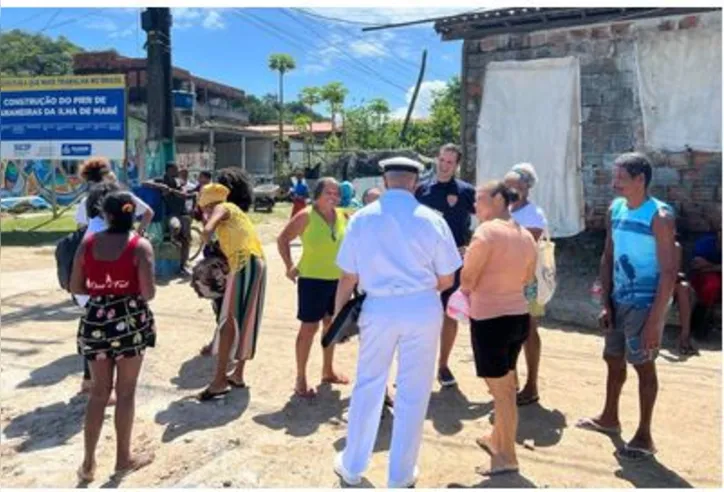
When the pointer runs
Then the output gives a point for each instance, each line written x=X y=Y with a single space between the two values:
x=264 y=110
x=369 y=127
x=282 y=63
x=334 y=95
x=27 y=55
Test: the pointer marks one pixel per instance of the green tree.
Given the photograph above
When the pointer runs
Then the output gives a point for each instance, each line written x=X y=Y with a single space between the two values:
x=334 y=95
x=26 y=55
x=282 y=63
x=380 y=108
x=444 y=118
x=310 y=96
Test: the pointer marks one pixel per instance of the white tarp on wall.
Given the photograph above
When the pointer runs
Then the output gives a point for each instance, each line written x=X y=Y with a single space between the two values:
x=531 y=112
x=680 y=88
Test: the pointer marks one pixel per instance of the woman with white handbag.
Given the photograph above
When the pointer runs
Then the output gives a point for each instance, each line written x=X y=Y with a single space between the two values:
x=522 y=178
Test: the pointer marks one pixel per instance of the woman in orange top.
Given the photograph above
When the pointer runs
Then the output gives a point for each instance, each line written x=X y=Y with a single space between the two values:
x=499 y=263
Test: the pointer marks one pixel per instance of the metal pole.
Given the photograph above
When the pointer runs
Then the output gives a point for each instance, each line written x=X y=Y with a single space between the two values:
x=53 y=191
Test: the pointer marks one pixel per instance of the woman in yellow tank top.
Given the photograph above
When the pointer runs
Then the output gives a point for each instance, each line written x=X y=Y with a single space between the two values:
x=241 y=309
x=321 y=227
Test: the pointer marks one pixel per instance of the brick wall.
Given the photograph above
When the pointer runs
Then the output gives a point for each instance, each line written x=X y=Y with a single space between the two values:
x=611 y=112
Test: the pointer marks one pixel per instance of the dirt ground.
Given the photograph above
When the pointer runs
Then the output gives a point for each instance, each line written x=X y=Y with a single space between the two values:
x=263 y=437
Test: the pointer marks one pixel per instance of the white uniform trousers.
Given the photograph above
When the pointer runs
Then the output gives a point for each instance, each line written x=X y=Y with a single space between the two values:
x=412 y=325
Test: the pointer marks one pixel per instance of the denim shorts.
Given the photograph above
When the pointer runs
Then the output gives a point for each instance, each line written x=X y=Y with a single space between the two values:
x=626 y=339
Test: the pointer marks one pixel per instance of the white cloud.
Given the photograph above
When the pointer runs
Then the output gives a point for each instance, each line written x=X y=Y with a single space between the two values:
x=102 y=24
x=186 y=18
x=424 y=99
x=365 y=49
x=213 y=21
x=129 y=31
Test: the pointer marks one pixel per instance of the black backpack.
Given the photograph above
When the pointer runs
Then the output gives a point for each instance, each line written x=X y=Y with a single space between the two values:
x=64 y=253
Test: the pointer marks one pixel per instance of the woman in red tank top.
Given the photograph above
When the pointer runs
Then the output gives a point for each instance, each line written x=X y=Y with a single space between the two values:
x=115 y=268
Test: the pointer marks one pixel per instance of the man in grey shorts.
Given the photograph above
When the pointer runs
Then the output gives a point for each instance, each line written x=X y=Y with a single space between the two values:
x=638 y=275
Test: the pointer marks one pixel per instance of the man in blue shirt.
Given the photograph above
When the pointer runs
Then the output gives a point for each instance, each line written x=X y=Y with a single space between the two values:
x=454 y=199
x=638 y=275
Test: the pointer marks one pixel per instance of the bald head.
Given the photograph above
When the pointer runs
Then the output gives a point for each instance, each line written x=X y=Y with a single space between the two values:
x=403 y=180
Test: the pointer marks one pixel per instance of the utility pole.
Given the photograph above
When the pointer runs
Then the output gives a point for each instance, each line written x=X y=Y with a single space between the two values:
x=159 y=84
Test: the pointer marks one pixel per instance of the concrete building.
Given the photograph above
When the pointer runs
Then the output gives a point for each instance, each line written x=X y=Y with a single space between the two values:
x=569 y=89
x=211 y=129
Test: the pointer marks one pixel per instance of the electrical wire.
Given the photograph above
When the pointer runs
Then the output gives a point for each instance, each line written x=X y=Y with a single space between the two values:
x=304 y=46
x=363 y=65
x=335 y=19
x=395 y=62
x=51 y=19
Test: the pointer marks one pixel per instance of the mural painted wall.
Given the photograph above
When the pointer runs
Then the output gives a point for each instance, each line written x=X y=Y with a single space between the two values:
x=19 y=178
x=31 y=177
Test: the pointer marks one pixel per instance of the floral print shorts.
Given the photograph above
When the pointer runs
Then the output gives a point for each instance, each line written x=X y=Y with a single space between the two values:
x=115 y=327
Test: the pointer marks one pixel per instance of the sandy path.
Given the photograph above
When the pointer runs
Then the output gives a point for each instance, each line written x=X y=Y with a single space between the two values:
x=262 y=437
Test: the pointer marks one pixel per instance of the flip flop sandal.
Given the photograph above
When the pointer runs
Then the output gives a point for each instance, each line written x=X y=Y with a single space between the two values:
x=207 y=395
x=630 y=453
x=492 y=472
x=522 y=401
x=235 y=384
x=590 y=425
x=483 y=444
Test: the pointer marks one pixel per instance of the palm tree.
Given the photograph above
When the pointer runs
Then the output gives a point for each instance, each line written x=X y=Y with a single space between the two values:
x=310 y=97
x=282 y=63
x=334 y=94
x=380 y=108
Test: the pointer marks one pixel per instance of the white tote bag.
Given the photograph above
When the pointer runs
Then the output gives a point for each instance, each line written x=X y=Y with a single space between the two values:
x=545 y=270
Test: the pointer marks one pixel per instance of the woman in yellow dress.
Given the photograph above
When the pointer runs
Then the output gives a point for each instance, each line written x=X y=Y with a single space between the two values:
x=243 y=301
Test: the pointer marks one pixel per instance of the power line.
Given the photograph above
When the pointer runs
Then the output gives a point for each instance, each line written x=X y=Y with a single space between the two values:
x=52 y=18
x=394 y=62
x=367 y=68
x=303 y=46
x=336 y=19
x=23 y=21
x=69 y=21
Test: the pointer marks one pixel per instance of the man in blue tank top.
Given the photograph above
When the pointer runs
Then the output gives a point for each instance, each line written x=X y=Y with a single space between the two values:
x=638 y=275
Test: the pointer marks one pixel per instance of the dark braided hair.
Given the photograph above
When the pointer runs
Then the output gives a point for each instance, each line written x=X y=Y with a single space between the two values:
x=96 y=195
x=240 y=184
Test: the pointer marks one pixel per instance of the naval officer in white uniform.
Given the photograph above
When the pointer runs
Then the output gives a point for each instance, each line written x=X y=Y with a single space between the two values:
x=403 y=255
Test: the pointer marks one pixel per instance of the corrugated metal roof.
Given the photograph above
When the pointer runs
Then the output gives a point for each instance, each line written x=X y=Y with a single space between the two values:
x=521 y=20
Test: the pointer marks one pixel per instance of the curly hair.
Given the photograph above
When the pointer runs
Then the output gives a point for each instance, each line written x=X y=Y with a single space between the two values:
x=240 y=184
x=95 y=169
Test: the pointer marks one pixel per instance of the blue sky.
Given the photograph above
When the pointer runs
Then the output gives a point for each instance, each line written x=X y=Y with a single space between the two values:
x=232 y=46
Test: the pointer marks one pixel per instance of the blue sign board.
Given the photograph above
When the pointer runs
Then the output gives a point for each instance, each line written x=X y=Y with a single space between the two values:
x=63 y=117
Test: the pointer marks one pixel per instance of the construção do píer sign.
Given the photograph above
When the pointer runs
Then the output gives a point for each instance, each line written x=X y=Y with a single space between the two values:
x=63 y=117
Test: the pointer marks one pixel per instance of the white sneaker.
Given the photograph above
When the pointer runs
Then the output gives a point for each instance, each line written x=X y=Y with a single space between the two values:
x=406 y=485
x=342 y=473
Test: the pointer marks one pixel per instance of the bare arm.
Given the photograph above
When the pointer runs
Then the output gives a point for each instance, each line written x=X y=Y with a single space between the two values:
x=219 y=214
x=664 y=232
x=145 y=221
x=445 y=282
x=77 y=275
x=146 y=271
x=606 y=267
x=293 y=229
x=345 y=287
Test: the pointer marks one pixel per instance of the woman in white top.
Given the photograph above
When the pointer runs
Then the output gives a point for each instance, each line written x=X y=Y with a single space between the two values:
x=522 y=178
